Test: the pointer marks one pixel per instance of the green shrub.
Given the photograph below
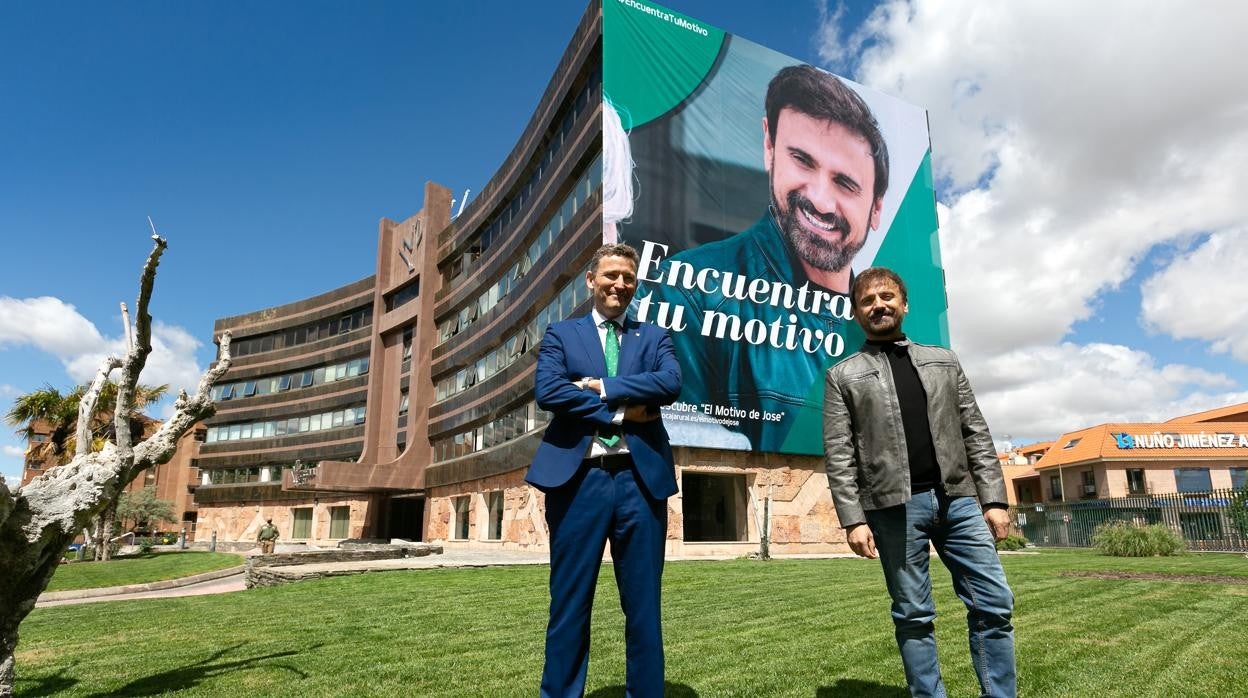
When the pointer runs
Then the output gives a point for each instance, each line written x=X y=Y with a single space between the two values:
x=145 y=545
x=1237 y=510
x=1123 y=539
x=1013 y=541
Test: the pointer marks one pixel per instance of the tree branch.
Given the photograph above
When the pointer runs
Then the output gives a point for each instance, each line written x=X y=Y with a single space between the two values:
x=187 y=410
x=136 y=356
x=86 y=404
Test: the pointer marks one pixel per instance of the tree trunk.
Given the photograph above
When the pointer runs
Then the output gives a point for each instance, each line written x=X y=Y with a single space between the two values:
x=7 y=647
x=107 y=525
x=97 y=539
x=38 y=521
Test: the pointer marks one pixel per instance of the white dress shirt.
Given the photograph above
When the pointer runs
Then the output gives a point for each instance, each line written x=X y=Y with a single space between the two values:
x=596 y=447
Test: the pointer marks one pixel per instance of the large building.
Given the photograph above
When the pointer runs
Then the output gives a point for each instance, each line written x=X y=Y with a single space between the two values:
x=295 y=393
x=1197 y=453
x=406 y=398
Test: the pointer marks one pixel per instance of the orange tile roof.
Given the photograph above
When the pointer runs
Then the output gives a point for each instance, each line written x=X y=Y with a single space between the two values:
x=1025 y=451
x=1038 y=447
x=1148 y=441
x=1220 y=414
x=1018 y=472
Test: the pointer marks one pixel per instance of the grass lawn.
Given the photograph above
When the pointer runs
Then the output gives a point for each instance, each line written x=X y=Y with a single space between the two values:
x=737 y=628
x=139 y=569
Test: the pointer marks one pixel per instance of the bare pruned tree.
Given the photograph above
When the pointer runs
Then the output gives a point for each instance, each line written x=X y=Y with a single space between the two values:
x=38 y=521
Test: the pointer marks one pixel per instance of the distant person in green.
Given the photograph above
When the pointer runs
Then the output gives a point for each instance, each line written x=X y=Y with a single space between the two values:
x=267 y=537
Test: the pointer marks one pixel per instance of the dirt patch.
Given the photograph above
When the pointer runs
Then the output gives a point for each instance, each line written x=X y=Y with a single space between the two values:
x=1160 y=577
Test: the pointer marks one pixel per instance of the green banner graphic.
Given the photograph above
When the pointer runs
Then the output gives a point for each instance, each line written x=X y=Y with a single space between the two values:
x=758 y=187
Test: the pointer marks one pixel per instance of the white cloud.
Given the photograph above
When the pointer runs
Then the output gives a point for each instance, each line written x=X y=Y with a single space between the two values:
x=1068 y=143
x=47 y=323
x=1040 y=392
x=11 y=458
x=1197 y=296
x=1067 y=151
x=56 y=327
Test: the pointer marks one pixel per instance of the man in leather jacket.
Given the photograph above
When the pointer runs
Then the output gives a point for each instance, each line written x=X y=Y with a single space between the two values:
x=911 y=463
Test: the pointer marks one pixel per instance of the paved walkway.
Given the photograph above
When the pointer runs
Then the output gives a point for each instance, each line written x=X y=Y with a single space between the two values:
x=454 y=557
x=234 y=582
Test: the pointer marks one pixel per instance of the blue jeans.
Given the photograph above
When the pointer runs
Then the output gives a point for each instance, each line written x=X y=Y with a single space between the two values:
x=956 y=527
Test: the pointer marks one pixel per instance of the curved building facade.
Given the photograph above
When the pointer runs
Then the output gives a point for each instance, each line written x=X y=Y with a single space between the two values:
x=438 y=415
x=296 y=393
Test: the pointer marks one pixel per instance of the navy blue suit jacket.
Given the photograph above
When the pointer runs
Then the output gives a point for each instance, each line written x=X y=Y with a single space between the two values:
x=648 y=374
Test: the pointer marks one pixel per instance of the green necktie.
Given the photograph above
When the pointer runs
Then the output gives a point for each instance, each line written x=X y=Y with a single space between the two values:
x=611 y=348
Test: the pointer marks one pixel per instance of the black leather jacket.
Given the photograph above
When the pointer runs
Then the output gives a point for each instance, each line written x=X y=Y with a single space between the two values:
x=865 y=444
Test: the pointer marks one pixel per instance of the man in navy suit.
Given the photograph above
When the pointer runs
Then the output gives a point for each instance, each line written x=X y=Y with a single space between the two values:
x=606 y=468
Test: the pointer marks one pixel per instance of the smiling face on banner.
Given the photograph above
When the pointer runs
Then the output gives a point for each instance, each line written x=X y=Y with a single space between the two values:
x=822 y=179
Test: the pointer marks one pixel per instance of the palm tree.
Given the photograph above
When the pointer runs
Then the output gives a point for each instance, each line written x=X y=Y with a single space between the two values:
x=60 y=412
x=48 y=406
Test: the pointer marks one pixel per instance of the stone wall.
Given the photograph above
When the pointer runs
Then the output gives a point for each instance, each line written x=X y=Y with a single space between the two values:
x=803 y=519
x=524 y=522
x=242 y=523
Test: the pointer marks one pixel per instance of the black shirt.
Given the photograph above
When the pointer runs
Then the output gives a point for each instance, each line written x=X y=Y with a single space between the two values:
x=924 y=473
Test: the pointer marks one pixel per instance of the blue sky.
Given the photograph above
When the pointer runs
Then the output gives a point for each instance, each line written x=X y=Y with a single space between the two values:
x=266 y=140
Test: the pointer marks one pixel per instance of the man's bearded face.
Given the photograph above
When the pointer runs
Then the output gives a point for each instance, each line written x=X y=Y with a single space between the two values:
x=822 y=179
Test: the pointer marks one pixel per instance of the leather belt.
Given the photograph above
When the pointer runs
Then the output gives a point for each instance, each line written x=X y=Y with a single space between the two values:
x=611 y=463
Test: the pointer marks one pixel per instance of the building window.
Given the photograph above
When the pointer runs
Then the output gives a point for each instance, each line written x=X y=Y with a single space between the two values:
x=1135 y=481
x=1089 y=484
x=302 y=527
x=1239 y=478
x=495 y=501
x=1055 y=487
x=1192 y=480
x=461 y=505
x=403 y=404
x=339 y=521
x=1072 y=443
x=714 y=507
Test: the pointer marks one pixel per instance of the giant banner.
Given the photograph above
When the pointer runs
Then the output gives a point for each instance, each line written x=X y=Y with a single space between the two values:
x=758 y=186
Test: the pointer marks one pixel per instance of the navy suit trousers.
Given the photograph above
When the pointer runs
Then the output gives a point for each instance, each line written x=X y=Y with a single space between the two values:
x=594 y=507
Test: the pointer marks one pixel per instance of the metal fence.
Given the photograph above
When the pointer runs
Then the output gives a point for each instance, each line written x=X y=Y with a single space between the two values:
x=1204 y=519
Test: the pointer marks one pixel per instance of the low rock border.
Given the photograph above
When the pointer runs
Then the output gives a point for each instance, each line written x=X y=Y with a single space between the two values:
x=266 y=570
